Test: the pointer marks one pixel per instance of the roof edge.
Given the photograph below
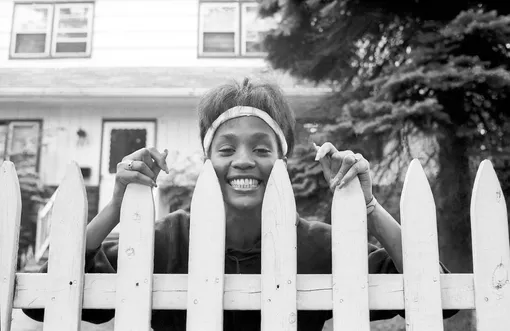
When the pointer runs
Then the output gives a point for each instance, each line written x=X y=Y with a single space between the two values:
x=135 y=92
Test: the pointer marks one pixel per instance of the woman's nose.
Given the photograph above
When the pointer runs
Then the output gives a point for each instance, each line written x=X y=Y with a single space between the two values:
x=243 y=160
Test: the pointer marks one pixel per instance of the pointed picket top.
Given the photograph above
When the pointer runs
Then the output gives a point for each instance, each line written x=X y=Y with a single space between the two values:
x=491 y=251
x=10 y=221
x=350 y=248
x=135 y=264
x=279 y=253
x=66 y=260
x=420 y=251
x=206 y=267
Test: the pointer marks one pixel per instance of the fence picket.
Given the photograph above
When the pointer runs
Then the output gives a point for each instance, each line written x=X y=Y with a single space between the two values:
x=67 y=254
x=491 y=251
x=10 y=221
x=135 y=260
x=279 y=253
x=422 y=288
x=206 y=267
x=350 y=248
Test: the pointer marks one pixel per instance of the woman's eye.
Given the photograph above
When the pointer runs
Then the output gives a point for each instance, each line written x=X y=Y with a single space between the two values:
x=226 y=150
x=262 y=150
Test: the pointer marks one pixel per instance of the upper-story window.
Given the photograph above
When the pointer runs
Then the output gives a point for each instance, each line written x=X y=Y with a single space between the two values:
x=51 y=30
x=232 y=28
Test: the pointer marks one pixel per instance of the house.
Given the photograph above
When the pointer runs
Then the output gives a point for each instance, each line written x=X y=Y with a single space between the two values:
x=93 y=80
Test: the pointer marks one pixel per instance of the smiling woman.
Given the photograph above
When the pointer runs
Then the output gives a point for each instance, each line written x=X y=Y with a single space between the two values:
x=243 y=153
x=245 y=128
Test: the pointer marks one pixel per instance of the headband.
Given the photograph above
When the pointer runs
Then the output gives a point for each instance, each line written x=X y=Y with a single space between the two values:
x=241 y=111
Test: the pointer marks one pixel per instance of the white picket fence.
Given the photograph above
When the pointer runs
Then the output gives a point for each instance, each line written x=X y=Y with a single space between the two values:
x=278 y=292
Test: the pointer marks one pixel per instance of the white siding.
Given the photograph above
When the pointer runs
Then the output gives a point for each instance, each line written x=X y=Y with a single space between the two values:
x=6 y=12
x=176 y=126
x=131 y=33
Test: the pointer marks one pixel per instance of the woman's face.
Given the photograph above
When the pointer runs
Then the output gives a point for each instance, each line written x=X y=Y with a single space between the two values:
x=243 y=153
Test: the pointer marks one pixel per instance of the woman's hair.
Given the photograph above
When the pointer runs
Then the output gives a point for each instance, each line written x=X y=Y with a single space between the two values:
x=262 y=95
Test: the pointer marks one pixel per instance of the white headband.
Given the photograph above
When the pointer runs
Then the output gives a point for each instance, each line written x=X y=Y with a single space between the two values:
x=241 y=111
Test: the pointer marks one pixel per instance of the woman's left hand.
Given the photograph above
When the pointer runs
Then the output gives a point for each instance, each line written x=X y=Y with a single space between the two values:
x=340 y=167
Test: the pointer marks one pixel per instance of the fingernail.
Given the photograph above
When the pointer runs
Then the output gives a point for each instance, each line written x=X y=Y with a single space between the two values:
x=154 y=184
x=342 y=183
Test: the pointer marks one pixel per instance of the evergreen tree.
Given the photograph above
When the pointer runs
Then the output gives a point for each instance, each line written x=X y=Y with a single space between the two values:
x=456 y=85
x=399 y=71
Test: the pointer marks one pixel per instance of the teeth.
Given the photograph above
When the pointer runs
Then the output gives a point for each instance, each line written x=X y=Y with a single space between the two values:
x=244 y=184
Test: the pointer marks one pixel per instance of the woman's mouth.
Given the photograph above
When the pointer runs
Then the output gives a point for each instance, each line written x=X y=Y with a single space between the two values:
x=244 y=184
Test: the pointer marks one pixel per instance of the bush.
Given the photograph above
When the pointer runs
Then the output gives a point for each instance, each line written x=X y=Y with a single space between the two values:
x=32 y=192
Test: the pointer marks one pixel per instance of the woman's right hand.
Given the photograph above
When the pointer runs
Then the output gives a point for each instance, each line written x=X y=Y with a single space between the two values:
x=142 y=167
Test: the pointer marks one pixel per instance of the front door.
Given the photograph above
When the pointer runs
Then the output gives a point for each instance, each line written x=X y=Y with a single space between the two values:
x=119 y=140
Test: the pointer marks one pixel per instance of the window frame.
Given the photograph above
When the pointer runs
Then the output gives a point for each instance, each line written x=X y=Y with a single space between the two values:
x=49 y=28
x=201 y=31
x=240 y=33
x=55 y=39
x=244 y=32
x=52 y=30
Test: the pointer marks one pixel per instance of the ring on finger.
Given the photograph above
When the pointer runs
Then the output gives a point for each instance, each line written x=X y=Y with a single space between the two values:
x=130 y=165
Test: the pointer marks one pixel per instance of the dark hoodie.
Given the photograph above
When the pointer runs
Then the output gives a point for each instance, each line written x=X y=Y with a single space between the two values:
x=171 y=257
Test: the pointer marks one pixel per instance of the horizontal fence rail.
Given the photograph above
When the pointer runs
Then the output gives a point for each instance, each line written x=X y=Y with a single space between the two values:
x=243 y=292
x=278 y=292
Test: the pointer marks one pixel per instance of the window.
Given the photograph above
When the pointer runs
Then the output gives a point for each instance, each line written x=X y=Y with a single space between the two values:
x=232 y=28
x=45 y=30
x=19 y=143
x=124 y=142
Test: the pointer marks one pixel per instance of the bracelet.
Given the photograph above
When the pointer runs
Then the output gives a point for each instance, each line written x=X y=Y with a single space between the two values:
x=371 y=205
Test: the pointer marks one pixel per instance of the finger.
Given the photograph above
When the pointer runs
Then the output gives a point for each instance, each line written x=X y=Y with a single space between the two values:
x=326 y=167
x=323 y=156
x=147 y=159
x=160 y=158
x=128 y=177
x=149 y=156
x=347 y=162
x=326 y=149
x=139 y=166
x=361 y=167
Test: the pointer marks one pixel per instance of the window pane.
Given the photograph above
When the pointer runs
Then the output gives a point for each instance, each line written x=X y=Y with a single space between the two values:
x=3 y=140
x=30 y=43
x=124 y=142
x=219 y=42
x=30 y=18
x=24 y=145
x=254 y=42
x=78 y=47
x=73 y=18
x=255 y=29
x=219 y=18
